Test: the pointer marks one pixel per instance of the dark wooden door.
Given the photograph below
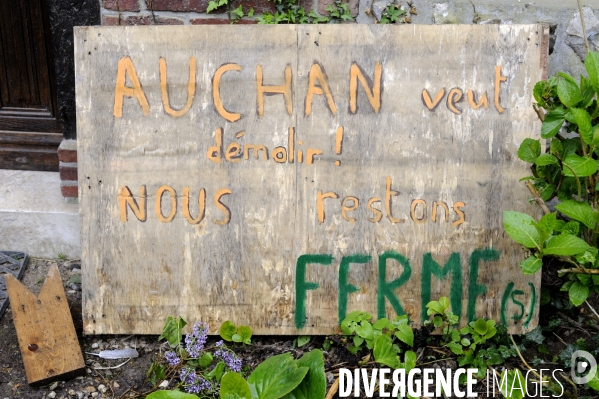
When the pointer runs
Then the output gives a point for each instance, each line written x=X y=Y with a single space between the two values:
x=30 y=130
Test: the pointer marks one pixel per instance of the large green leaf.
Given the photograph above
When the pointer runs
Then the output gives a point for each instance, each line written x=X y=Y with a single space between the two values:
x=566 y=245
x=594 y=383
x=591 y=63
x=276 y=377
x=552 y=123
x=480 y=326
x=521 y=228
x=578 y=293
x=173 y=330
x=571 y=146
x=206 y=360
x=409 y=360
x=581 y=166
x=583 y=120
x=314 y=386
x=227 y=330
x=405 y=334
x=546 y=159
x=384 y=353
x=365 y=330
x=529 y=150
x=548 y=222
x=515 y=385
x=246 y=334
x=595 y=136
x=568 y=91
x=234 y=383
x=531 y=265
x=455 y=348
x=171 y=395
x=580 y=211
x=587 y=91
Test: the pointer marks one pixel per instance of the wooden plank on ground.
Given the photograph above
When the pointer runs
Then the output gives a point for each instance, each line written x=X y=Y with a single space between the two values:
x=283 y=176
x=47 y=339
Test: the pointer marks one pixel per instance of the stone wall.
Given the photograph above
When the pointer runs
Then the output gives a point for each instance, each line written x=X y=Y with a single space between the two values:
x=566 y=47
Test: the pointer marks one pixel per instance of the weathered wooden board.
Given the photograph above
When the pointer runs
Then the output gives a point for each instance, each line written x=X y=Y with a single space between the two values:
x=389 y=154
x=47 y=338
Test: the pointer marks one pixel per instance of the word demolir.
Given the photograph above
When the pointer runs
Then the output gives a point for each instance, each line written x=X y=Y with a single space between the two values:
x=427 y=382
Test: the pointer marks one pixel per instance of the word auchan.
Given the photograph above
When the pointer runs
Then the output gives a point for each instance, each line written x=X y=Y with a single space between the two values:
x=427 y=382
x=318 y=85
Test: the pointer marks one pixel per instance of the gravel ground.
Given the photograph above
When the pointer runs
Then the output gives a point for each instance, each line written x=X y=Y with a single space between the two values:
x=100 y=381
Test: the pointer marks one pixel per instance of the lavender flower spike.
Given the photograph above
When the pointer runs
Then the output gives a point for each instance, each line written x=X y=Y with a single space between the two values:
x=172 y=358
x=194 y=342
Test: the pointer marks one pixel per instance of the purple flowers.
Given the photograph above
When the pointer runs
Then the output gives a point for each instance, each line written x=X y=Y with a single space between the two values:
x=194 y=342
x=231 y=360
x=198 y=367
x=172 y=358
x=192 y=382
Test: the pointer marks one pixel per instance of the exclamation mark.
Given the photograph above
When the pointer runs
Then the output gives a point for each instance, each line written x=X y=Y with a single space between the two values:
x=338 y=143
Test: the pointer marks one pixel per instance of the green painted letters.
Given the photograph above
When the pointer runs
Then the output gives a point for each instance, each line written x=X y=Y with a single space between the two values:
x=344 y=287
x=301 y=285
x=430 y=267
x=386 y=288
x=504 y=299
x=517 y=316
x=475 y=289
x=533 y=302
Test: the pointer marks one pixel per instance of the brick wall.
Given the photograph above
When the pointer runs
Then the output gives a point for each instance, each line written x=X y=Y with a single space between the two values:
x=172 y=12
x=67 y=167
x=193 y=12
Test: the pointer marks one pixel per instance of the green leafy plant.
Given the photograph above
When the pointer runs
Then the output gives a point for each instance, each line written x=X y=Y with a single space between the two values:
x=567 y=172
x=392 y=14
x=327 y=344
x=290 y=12
x=173 y=330
x=210 y=371
x=234 y=15
x=199 y=369
x=279 y=377
x=472 y=342
x=302 y=340
x=340 y=11
x=232 y=333
x=515 y=384
x=358 y=325
x=387 y=339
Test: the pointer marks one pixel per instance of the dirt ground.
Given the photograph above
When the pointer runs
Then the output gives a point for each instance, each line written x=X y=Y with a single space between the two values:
x=104 y=378
x=101 y=383
x=112 y=379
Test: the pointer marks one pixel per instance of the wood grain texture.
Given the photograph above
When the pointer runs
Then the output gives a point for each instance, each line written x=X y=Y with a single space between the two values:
x=391 y=165
x=47 y=338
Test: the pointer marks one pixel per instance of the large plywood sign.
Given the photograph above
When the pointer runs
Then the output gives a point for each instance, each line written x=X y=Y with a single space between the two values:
x=284 y=176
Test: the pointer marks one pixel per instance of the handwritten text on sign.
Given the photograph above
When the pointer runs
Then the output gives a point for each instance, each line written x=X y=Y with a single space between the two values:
x=282 y=177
